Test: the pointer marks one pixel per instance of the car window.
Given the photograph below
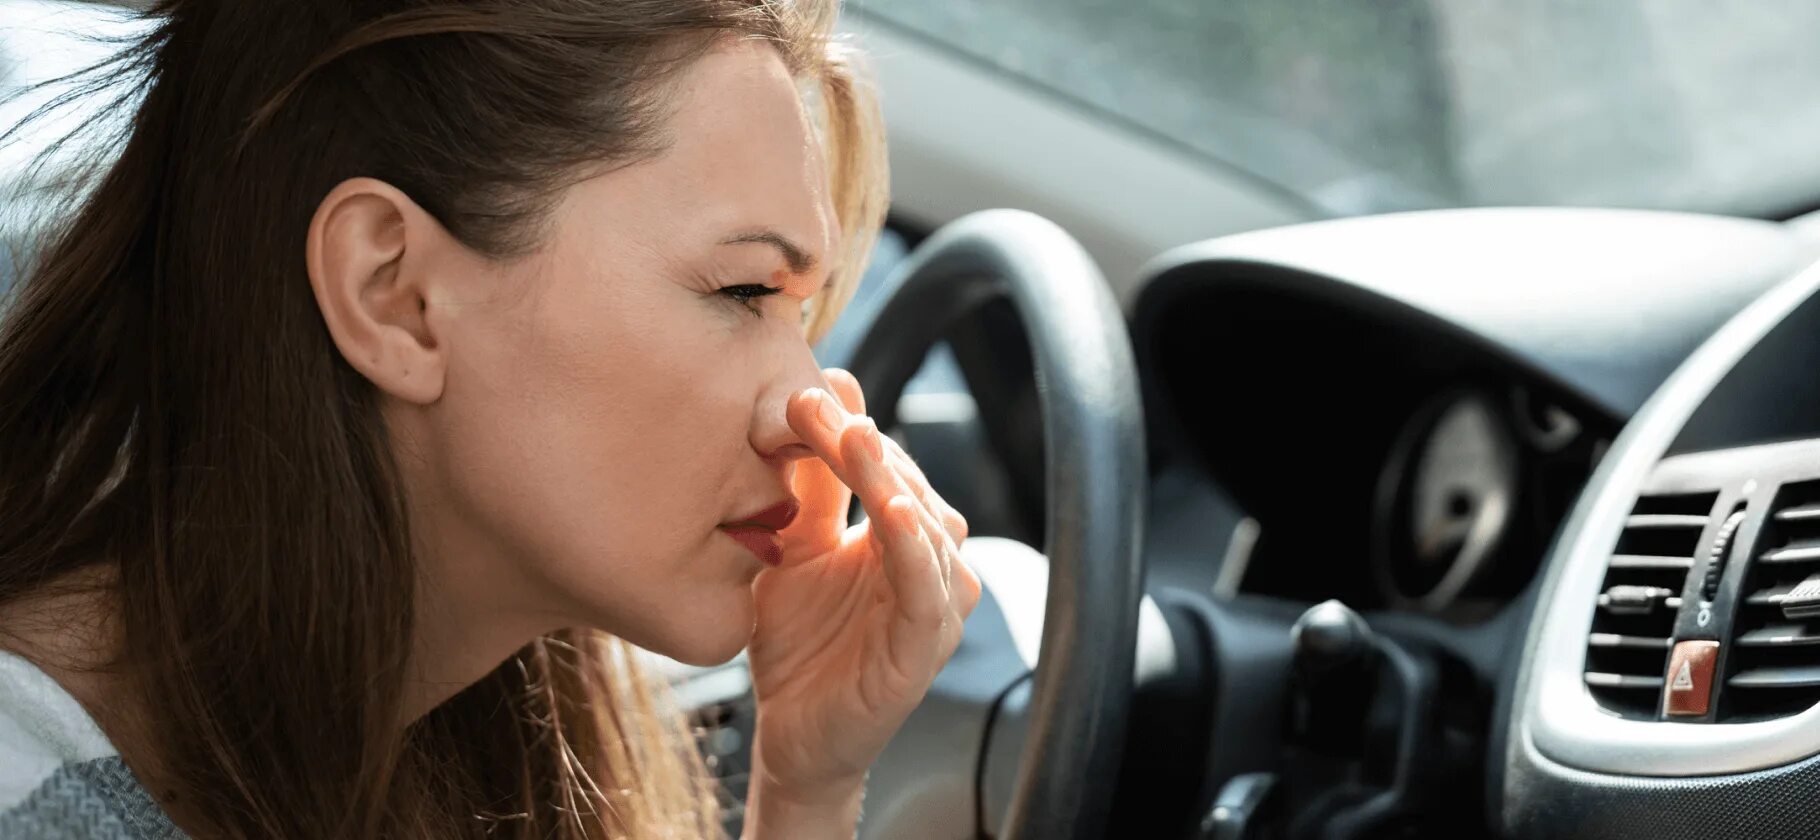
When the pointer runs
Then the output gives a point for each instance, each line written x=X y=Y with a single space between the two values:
x=1372 y=106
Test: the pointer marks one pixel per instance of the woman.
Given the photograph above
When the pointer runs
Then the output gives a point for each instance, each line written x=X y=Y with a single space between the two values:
x=406 y=356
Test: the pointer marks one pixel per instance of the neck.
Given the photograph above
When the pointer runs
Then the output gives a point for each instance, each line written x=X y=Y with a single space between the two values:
x=471 y=612
x=460 y=636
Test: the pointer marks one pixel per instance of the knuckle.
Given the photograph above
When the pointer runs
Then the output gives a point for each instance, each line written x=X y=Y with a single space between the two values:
x=847 y=389
x=926 y=615
x=956 y=524
x=951 y=642
x=970 y=588
x=853 y=439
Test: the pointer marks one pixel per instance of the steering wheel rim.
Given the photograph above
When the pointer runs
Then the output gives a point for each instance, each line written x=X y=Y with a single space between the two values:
x=1095 y=460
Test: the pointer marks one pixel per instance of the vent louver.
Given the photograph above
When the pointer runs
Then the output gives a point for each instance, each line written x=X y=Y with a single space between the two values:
x=1773 y=663
x=1634 y=623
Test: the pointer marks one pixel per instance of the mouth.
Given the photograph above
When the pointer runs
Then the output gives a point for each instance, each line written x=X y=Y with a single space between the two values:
x=758 y=532
x=775 y=518
x=764 y=543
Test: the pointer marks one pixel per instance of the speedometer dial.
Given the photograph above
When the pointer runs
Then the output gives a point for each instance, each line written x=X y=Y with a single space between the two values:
x=1444 y=500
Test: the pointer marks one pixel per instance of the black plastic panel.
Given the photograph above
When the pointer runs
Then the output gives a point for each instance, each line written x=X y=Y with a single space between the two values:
x=1287 y=364
x=1605 y=302
x=1772 y=394
x=1547 y=800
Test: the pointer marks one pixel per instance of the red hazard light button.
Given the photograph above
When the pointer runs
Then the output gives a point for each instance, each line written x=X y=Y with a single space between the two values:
x=1689 y=689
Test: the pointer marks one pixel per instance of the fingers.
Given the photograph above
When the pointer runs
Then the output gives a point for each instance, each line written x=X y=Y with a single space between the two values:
x=952 y=521
x=948 y=529
x=863 y=466
x=820 y=424
x=822 y=496
x=846 y=388
x=940 y=535
x=932 y=603
x=825 y=427
x=964 y=591
x=819 y=416
x=927 y=598
x=880 y=472
x=804 y=409
x=910 y=568
x=874 y=487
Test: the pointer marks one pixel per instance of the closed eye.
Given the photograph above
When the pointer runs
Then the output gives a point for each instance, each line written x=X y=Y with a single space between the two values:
x=746 y=293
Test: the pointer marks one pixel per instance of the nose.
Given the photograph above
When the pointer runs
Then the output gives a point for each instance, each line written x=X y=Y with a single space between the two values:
x=771 y=434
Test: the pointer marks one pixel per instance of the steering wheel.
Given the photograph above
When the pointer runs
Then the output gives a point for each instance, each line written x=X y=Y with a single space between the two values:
x=1093 y=435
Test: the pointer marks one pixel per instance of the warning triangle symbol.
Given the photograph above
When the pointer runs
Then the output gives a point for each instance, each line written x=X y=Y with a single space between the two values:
x=1684 y=678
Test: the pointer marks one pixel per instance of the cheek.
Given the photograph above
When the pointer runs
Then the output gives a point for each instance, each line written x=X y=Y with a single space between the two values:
x=602 y=440
x=645 y=410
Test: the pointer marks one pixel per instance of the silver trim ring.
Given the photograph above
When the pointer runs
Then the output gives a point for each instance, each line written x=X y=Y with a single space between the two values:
x=1555 y=710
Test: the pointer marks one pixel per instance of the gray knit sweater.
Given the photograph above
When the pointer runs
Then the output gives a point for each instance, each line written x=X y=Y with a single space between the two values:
x=60 y=779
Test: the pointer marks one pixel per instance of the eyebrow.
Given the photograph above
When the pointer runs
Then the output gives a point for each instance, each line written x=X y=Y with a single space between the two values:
x=799 y=260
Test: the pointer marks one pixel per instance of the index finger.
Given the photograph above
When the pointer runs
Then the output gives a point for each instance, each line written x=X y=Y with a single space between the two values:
x=824 y=427
x=823 y=498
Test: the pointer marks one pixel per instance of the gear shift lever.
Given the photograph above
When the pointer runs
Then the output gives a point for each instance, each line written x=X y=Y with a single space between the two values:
x=1366 y=753
x=1330 y=635
x=1337 y=659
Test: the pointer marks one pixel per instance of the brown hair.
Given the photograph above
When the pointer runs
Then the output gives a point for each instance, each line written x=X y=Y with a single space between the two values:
x=171 y=403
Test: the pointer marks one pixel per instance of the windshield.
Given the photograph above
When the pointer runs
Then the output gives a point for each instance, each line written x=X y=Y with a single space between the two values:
x=1363 y=107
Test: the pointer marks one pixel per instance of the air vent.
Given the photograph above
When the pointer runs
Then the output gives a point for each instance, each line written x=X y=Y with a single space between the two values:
x=1632 y=629
x=1773 y=667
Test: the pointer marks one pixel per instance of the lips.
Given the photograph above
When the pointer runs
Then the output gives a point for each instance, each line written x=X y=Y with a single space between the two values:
x=758 y=532
x=762 y=542
x=776 y=517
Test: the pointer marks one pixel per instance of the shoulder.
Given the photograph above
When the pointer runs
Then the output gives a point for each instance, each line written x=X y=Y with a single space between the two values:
x=60 y=778
x=42 y=728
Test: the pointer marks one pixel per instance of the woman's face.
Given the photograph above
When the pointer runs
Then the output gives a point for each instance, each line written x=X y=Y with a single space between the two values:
x=608 y=403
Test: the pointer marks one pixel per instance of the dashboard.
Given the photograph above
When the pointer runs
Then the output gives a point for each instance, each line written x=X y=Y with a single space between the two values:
x=1400 y=411
x=1453 y=422
x=1716 y=732
x=1635 y=418
x=1472 y=479
x=1384 y=464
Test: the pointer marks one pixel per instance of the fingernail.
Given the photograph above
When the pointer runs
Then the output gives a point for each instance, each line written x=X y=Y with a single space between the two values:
x=827 y=411
x=872 y=443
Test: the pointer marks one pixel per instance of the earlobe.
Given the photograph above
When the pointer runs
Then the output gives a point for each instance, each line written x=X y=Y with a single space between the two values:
x=366 y=260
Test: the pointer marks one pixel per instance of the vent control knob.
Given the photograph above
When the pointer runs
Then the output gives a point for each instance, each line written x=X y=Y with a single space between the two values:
x=1634 y=600
x=1803 y=601
x=1715 y=562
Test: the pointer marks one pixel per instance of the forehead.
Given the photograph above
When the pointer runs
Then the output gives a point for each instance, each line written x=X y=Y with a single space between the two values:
x=740 y=154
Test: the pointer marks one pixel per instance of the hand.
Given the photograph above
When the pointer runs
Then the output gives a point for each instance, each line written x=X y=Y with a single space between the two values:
x=856 y=621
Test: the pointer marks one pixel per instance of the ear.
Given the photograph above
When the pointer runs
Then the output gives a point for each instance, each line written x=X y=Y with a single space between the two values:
x=367 y=256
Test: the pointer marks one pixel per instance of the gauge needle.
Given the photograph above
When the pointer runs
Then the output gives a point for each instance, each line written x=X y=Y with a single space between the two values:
x=1446 y=534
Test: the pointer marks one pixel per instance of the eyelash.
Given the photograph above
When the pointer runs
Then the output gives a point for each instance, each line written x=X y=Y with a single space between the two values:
x=746 y=293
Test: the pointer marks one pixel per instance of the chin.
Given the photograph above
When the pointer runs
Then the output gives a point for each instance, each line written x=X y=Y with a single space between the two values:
x=709 y=652
x=710 y=632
